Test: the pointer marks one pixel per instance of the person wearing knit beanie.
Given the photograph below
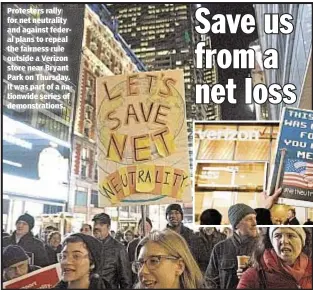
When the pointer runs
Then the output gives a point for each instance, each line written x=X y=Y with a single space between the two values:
x=298 y=230
x=24 y=224
x=15 y=262
x=237 y=212
x=81 y=254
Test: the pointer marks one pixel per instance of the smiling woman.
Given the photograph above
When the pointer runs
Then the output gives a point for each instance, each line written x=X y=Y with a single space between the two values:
x=283 y=259
x=81 y=263
x=164 y=261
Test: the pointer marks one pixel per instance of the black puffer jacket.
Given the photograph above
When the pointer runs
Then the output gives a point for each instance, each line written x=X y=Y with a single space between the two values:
x=222 y=269
x=30 y=244
x=116 y=266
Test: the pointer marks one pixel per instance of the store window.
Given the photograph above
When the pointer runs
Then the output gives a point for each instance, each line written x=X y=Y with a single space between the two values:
x=51 y=209
x=94 y=198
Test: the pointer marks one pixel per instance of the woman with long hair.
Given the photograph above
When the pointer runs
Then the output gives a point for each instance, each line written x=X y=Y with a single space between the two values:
x=281 y=260
x=81 y=263
x=163 y=260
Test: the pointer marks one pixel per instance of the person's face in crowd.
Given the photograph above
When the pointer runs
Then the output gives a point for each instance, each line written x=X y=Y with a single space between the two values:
x=129 y=237
x=86 y=230
x=22 y=228
x=112 y=233
x=287 y=245
x=101 y=231
x=148 y=228
x=247 y=226
x=174 y=218
x=75 y=263
x=16 y=270
x=208 y=231
x=159 y=271
x=290 y=214
x=55 y=241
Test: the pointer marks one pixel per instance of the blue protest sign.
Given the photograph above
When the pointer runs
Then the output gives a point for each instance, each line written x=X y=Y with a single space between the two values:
x=293 y=169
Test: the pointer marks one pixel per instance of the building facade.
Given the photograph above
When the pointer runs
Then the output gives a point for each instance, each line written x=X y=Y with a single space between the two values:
x=294 y=50
x=163 y=37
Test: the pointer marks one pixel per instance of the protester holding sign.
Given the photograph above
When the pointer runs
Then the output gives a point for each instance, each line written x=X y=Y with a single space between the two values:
x=15 y=263
x=24 y=238
x=81 y=263
x=165 y=261
x=280 y=261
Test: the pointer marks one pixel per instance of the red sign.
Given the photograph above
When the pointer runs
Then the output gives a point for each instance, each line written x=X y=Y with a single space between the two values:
x=44 y=278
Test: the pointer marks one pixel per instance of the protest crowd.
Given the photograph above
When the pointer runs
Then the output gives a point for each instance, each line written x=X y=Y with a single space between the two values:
x=177 y=257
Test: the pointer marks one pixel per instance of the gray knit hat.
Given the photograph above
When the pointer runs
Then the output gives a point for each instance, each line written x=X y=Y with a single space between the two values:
x=237 y=212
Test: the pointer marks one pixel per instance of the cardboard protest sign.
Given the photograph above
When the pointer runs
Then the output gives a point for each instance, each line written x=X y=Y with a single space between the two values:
x=46 y=278
x=142 y=139
x=293 y=169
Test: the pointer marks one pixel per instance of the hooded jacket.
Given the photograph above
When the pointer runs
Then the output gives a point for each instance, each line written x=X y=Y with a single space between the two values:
x=275 y=276
x=31 y=245
x=221 y=272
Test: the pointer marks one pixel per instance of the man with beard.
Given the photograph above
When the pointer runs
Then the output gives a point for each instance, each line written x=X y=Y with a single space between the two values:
x=221 y=272
x=174 y=216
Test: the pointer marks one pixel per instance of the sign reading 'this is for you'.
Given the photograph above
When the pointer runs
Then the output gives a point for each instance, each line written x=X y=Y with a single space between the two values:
x=142 y=139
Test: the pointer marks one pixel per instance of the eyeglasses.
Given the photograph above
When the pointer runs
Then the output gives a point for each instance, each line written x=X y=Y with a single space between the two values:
x=21 y=268
x=152 y=262
x=75 y=257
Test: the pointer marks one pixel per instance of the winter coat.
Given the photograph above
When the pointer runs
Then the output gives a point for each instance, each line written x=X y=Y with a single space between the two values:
x=30 y=244
x=116 y=267
x=193 y=241
x=221 y=272
x=52 y=254
x=207 y=244
x=273 y=276
x=131 y=250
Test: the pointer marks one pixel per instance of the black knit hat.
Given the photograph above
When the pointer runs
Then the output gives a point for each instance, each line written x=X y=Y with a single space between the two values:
x=237 y=212
x=27 y=218
x=13 y=254
x=102 y=218
x=94 y=247
x=174 y=206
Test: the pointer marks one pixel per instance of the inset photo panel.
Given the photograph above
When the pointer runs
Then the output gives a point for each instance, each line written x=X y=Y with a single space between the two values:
x=232 y=168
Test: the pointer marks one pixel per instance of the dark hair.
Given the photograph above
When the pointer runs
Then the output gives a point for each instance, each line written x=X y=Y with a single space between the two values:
x=147 y=220
x=52 y=234
x=96 y=282
x=293 y=211
x=81 y=229
x=210 y=217
x=51 y=228
x=263 y=216
x=265 y=243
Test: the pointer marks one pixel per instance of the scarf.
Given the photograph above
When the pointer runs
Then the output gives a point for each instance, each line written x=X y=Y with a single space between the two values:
x=297 y=271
